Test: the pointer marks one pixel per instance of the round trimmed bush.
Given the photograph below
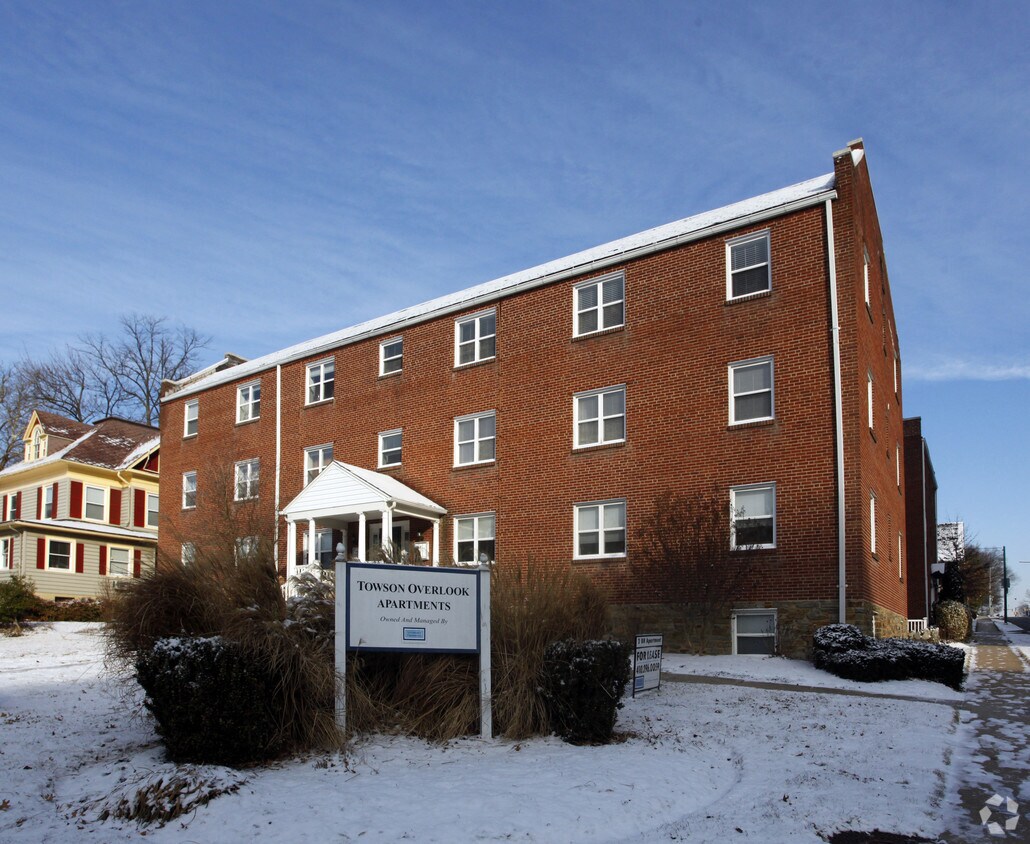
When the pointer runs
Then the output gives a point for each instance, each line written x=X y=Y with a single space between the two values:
x=953 y=620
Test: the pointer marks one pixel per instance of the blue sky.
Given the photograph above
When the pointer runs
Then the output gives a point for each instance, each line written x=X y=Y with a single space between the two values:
x=268 y=172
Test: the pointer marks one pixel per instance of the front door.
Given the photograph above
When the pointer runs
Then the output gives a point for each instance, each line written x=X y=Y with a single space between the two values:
x=401 y=537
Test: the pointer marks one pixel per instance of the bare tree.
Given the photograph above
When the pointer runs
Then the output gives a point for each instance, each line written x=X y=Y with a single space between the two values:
x=687 y=557
x=15 y=409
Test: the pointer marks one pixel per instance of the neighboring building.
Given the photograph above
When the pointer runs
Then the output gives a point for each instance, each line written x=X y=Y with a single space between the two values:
x=750 y=350
x=920 y=522
x=951 y=542
x=81 y=511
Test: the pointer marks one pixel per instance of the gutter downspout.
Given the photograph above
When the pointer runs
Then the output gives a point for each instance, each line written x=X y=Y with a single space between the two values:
x=278 y=456
x=838 y=419
x=926 y=562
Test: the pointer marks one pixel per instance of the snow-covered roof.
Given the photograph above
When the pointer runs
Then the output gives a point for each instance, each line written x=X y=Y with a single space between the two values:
x=90 y=527
x=767 y=205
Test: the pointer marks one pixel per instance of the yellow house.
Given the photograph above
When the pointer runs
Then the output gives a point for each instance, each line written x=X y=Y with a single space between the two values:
x=80 y=512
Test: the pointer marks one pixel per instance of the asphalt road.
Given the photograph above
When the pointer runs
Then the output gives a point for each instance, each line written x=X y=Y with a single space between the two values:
x=1021 y=621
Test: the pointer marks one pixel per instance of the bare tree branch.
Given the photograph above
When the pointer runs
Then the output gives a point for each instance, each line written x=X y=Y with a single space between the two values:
x=15 y=410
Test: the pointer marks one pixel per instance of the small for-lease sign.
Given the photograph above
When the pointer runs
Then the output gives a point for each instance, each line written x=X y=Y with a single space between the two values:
x=647 y=662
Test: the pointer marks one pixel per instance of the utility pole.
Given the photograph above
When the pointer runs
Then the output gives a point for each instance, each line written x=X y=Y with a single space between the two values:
x=1004 y=586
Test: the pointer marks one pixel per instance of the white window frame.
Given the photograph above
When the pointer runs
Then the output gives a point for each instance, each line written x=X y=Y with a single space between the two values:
x=71 y=555
x=742 y=241
x=865 y=276
x=869 y=399
x=895 y=373
x=600 y=418
x=745 y=364
x=320 y=536
x=311 y=471
x=320 y=367
x=5 y=553
x=734 y=491
x=872 y=523
x=383 y=451
x=154 y=511
x=48 y=502
x=247 y=477
x=110 y=561
x=752 y=612
x=189 y=479
x=477 y=340
x=248 y=402
x=188 y=555
x=599 y=308
x=477 y=440
x=190 y=418
x=246 y=546
x=897 y=464
x=901 y=563
x=478 y=536
x=386 y=361
x=601 y=507
x=86 y=503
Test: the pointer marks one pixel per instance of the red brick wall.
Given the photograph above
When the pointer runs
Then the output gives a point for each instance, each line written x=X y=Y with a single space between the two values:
x=920 y=524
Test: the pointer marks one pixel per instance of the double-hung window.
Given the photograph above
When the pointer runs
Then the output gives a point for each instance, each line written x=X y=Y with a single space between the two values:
x=391 y=356
x=316 y=459
x=474 y=538
x=869 y=399
x=248 y=474
x=600 y=529
x=747 y=266
x=599 y=416
x=475 y=438
x=48 y=503
x=247 y=548
x=600 y=304
x=190 y=416
x=248 y=402
x=390 y=448
x=872 y=522
x=152 y=510
x=754 y=632
x=95 y=500
x=751 y=390
x=59 y=555
x=753 y=516
x=118 y=562
x=189 y=553
x=321 y=378
x=189 y=490
x=5 y=553
x=323 y=548
x=865 y=276
x=475 y=338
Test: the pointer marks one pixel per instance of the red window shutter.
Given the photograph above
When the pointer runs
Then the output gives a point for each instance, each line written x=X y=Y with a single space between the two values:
x=139 y=507
x=76 y=500
x=115 y=516
x=80 y=558
x=137 y=563
x=103 y=560
x=40 y=553
x=3 y=509
x=39 y=503
x=55 y=502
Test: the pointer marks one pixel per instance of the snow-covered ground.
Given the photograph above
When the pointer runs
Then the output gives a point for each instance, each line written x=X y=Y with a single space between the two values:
x=703 y=763
x=1018 y=640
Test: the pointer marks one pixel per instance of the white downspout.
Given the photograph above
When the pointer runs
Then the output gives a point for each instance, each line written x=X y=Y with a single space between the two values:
x=278 y=456
x=838 y=421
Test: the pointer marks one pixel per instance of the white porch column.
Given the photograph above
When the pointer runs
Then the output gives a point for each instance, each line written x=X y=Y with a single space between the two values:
x=436 y=541
x=361 y=537
x=312 y=550
x=291 y=548
x=387 y=534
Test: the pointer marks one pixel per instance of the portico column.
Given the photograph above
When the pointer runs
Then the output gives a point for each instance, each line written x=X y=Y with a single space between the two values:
x=387 y=532
x=361 y=537
x=291 y=548
x=312 y=550
x=436 y=542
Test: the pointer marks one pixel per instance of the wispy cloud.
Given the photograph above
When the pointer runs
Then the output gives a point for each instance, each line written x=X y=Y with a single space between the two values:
x=955 y=369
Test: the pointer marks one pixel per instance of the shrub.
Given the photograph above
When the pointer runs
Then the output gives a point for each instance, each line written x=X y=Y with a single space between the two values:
x=212 y=701
x=80 y=609
x=582 y=685
x=18 y=601
x=843 y=649
x=954 y=621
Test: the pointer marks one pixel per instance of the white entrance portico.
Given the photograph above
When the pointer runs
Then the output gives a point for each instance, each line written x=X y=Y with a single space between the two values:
x=344 y=495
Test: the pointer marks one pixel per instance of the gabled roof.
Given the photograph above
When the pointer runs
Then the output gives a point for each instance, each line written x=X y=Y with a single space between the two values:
x=766 y=206
x=59 y=426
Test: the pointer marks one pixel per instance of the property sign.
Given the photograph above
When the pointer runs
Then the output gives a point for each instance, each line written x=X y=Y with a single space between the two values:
x=401 y=608
x=647 y=663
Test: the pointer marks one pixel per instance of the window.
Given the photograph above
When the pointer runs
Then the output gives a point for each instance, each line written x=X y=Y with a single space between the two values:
x=247 y=476
x=323 y=548
x=189 y=553
x=152 y=511
x=37 y=447
x=5 y=553
x=316 y=459
x=753 y=516
x=391 y=356
x=246 y=548
x=754 y=632
x=865 y=274
x=599 y=416
x=321 y=380
x=895 y=373
x=600 y=529
x=95 y=499
x=475 y=338
x=747 y=266
x=901 y=567
x=189 y=490
x=248 y=402
x=897 y=464
x=869 y=398
x=118 y=562
x=872 y=522
x=600 y=304
x=59 y=555
x=751 y=390
x=474 y=538
x=191 y=415
x=475 y=438
x=48 y=503
x=390 y=448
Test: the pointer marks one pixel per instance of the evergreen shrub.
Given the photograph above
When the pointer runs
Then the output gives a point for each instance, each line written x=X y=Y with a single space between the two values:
x=18 y=601
x=582 y=685
x=953 y=620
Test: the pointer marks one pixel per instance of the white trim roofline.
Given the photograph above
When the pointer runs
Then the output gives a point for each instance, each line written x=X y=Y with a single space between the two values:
x=766 y=206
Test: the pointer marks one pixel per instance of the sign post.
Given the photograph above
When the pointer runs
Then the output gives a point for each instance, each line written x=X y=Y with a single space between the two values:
x=647 y=663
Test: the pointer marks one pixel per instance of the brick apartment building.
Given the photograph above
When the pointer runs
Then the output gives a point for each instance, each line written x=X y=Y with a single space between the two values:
x=750 y=350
